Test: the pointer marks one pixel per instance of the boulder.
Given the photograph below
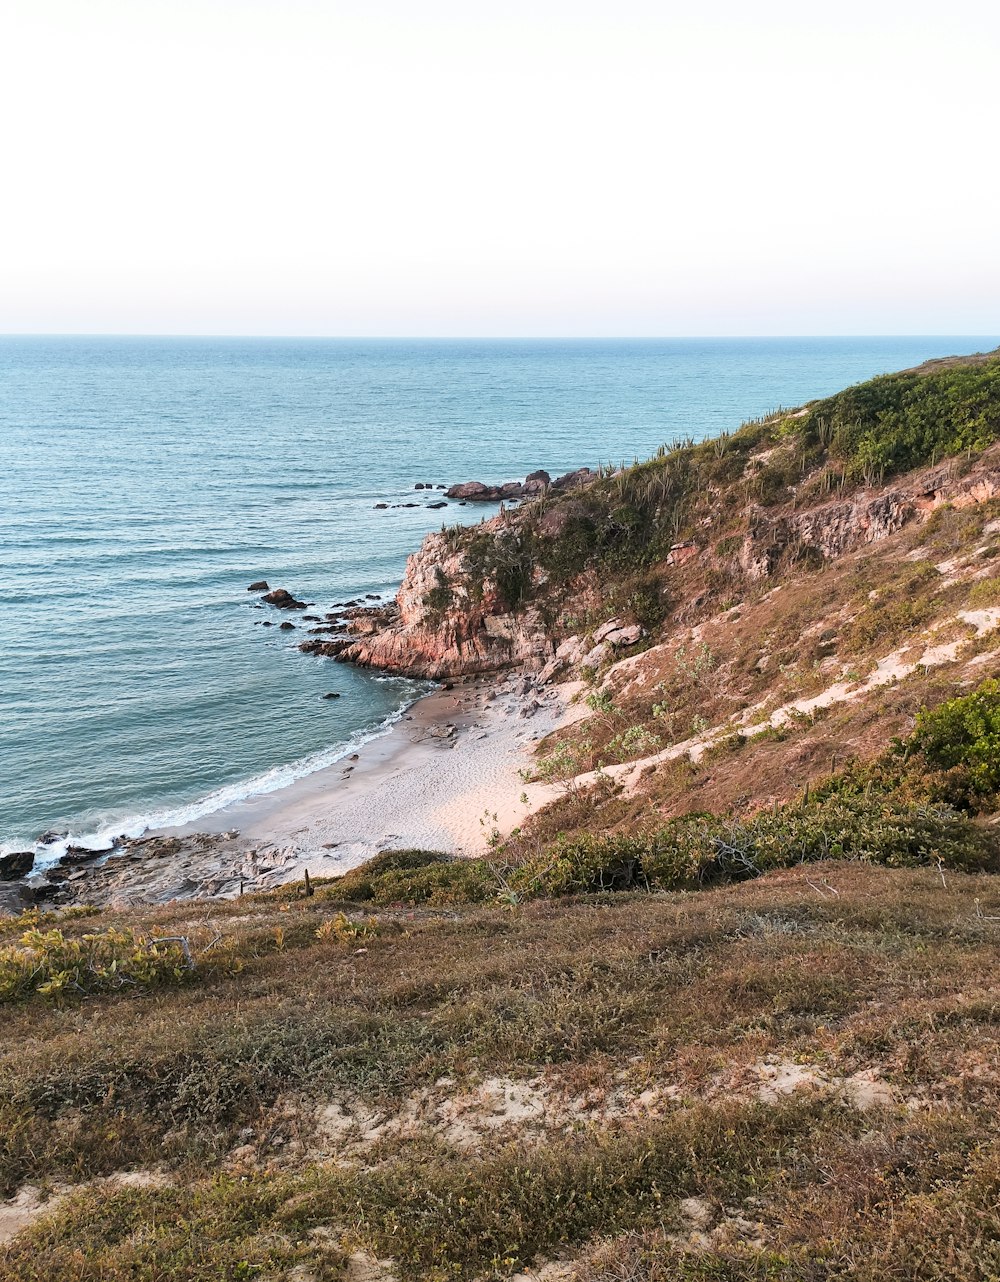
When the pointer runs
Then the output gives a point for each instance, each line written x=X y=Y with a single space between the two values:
x=381 y=506
x=332 y=694
x=470 y=490
x=626 y=636
x=536 y=482
x=260 y=586
x=573 y=480
x=419 y=485
x=287 y=627
x=612 y=625
x=511 y=490
x=434 y=506
x=282 y=599
x=16 y=865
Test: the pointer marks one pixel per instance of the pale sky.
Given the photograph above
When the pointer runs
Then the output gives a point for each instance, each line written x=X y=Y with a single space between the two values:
x=560 y=167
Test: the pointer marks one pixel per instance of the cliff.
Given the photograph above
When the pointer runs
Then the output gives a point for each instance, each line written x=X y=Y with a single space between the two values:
x=668 y=539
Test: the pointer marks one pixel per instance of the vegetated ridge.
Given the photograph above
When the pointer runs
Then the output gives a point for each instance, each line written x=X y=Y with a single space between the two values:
x=724 y=1005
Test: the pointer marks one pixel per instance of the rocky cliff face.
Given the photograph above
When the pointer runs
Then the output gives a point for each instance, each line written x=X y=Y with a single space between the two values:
x=446 y=623
x=450 y=618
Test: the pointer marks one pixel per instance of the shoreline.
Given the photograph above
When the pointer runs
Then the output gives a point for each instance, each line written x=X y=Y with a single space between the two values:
x=442 y=778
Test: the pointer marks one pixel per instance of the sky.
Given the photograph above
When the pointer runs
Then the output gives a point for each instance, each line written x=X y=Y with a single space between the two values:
x=317 y=167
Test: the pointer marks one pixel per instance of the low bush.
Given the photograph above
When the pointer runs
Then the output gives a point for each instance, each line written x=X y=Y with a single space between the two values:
x=964 y=734
x=414 y=877
x=47 y=964
x=700 y=849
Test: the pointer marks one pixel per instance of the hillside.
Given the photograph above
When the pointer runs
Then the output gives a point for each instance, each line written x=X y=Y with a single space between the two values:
x=718 y=1004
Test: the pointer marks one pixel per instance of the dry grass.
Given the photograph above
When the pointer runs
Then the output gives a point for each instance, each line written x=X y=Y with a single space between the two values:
x=838 y=967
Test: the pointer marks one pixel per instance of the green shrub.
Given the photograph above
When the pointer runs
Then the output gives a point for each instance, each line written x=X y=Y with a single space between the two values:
x=883 y=622
x=414 y=877
x=699 y=849
x=985 y=592
x=48 y=964
x=584 y=863
x=964 y=734
x=902 y=421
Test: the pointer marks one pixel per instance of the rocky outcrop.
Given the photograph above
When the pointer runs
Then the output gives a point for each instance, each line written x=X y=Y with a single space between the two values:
x=534 y=483
x=443 y=622
x=282 y=599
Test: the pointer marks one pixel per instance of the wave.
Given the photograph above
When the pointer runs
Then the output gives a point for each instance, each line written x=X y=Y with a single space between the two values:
x=104 y=833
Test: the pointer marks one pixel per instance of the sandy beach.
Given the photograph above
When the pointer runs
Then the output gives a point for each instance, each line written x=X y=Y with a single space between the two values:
x=445 y=778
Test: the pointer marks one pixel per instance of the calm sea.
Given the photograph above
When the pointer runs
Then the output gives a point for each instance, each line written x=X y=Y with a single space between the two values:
x=146 y=482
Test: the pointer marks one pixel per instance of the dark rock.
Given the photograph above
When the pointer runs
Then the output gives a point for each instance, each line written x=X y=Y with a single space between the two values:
x=36 y=894
x=332 y=694
x=535 y=482
x=47 y=838
x=372 y=596
x=434 y=506
x=260 y=586
x=409 y=505
x=511 y=490
x=328 y=649
x=266 y=623
x=381 y=506
x=83 y=854
x=282 y=599
x=16 y=865
x=311 y=618
x=287 y=627
x=419 y=485
x=439 y=487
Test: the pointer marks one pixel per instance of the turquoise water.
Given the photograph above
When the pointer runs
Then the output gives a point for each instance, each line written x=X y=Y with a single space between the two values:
x=146 y=482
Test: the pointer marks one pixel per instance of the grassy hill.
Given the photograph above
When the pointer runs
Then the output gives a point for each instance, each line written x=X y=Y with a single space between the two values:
x=723 y=1008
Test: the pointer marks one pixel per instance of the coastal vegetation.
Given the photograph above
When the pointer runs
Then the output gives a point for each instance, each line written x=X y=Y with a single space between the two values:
x=720 y=1007
x=758 y=1080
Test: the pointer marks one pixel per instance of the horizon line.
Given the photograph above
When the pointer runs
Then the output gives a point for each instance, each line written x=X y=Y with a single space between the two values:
x=478 y=338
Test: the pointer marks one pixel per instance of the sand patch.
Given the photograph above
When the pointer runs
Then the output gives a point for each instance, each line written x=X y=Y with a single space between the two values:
x=22 y=1210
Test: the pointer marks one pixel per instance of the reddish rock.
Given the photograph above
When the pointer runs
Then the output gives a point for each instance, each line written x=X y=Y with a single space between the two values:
x=471 y=490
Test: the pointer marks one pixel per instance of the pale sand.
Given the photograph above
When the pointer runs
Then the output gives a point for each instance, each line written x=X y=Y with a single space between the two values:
x=420 y=786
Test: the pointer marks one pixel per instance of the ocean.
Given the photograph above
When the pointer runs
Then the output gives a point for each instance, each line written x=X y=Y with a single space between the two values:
x=148 y=481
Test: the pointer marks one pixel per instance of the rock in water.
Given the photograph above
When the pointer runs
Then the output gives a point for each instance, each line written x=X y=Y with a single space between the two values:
x=282 y=599
x=470 y=490
x=260 y=586
x=16 y=865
